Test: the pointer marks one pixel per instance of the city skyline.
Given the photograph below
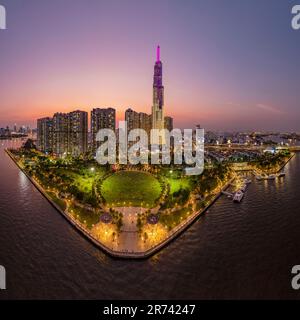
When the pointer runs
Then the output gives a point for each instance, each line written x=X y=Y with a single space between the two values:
x=67 y=133
x=246 y=82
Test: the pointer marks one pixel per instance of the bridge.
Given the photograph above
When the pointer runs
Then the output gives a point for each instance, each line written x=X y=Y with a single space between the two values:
x=226 y=147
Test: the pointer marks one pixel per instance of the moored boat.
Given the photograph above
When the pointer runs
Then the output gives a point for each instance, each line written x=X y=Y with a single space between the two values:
x=238 y=196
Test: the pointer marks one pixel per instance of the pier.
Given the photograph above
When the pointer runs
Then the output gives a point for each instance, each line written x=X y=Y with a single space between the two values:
x=226 y=193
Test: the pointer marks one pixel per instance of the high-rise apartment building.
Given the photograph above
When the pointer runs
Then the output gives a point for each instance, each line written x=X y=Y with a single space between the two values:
x=65 y=133
x=145 y=122
x=101 y=118
x=60 y=133
x=169 y=123
x=45 y=135
x=133 y=119
x=138 y=120
x=77 y=132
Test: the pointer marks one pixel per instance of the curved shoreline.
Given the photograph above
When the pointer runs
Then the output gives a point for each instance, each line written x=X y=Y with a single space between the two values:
x=178 y=230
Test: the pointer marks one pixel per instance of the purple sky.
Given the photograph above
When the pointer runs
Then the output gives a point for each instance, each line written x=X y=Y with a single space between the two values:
x=228 y=64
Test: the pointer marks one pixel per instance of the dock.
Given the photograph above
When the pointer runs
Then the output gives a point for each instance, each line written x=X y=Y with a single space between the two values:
x=238 y=195
x=226 y=193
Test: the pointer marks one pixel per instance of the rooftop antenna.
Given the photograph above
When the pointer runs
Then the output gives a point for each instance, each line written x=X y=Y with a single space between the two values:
x=158 y=54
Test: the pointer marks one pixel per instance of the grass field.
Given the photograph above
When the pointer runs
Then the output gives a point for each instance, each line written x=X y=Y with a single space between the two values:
x=134 y=188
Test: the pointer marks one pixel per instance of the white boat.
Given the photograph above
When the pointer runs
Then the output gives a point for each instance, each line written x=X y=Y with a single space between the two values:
x=238 y=196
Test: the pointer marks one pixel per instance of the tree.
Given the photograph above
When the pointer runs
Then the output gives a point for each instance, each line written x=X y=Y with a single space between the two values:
x=29 y=144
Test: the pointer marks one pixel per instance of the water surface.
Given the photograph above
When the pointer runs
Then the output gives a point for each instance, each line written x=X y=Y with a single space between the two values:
x=242 y=250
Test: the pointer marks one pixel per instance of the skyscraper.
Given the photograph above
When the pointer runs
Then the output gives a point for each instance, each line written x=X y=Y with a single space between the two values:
x=169 y=123
x=133 y=119
x=138 y=120
x=77 y=132
x=101 y=119
x=145 y=122
x=158 y=95
x=45 y=135
x=60 y=133
x=65 y=133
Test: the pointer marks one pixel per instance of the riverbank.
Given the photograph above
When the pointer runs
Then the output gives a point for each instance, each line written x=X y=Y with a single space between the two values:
x=174 y=233
x=286 y=162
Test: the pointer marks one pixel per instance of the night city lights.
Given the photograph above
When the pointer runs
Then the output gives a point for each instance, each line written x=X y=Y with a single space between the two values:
x=149 y=158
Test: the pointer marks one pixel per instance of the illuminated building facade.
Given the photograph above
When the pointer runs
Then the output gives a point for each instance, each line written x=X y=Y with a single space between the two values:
x=101 y=118
x=45 y=135
x=158 y=95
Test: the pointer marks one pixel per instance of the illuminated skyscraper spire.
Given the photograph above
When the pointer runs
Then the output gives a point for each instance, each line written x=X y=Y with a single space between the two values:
x=158 y=94
x=158 y=89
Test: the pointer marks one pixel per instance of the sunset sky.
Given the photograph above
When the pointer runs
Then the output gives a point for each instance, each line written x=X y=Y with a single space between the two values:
x=228 y=64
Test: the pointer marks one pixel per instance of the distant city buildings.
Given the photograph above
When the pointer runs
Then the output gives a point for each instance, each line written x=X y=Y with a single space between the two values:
x=101 y=119
x=5 y=132
x=15 y=131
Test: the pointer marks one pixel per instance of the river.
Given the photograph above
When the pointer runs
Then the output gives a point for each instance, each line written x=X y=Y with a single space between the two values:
x=235 y=251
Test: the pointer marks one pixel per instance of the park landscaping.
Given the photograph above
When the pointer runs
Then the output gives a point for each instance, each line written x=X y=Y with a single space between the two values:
x=93 y=195
x=130 y=211
x=131 y=188
x=163 y=199
x=271 y=163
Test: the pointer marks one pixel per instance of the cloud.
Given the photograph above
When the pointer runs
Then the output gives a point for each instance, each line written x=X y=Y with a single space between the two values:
x=269 y=108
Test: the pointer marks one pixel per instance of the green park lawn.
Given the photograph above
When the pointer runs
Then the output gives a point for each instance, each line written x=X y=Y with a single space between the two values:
x=132 y=187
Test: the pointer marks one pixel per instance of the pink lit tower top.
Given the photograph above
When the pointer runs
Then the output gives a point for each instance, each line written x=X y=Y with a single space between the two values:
x=157 y=80
x=158 y=94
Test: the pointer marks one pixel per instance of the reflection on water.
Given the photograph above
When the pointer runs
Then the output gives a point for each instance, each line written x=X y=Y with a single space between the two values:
x=242 y=250
x=23 y=181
